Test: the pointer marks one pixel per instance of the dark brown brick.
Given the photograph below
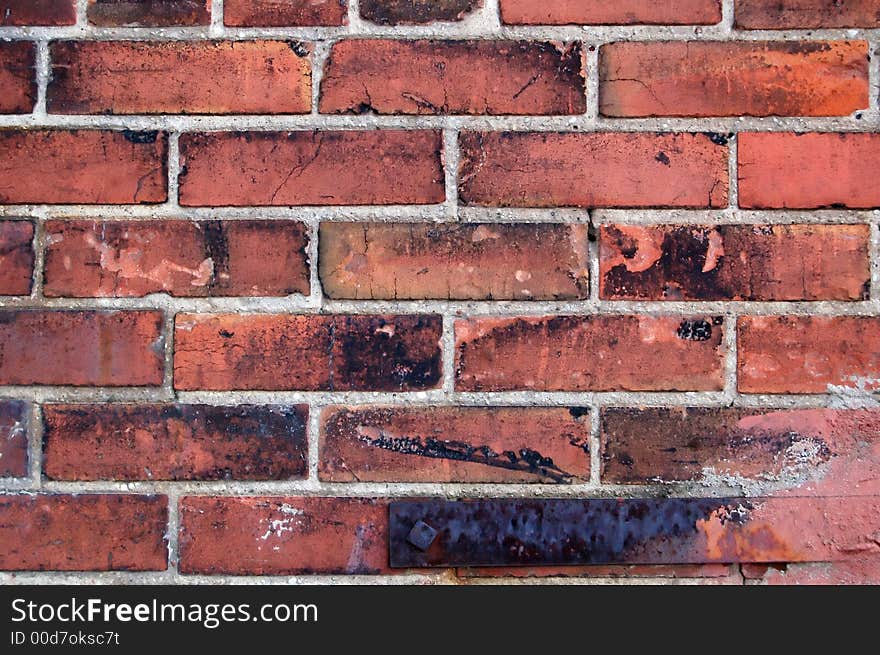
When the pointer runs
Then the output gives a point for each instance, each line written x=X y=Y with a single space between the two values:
x=288 y=13
x=37 y=12
x=18 y=77
x=16 y=257
x=416 y=12
x=14 y=438
x=601 y=12
x=149 y=13
x=806 y=14
x=174 y=442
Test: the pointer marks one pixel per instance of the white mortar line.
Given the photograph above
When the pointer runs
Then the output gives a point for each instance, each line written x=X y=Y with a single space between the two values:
x=216 y=29
x=43 y=73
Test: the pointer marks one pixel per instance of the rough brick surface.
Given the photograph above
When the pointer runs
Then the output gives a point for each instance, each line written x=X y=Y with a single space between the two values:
x=182 y=258
x=82 y=533
x=416 y=12
x=623 y=12
x=16 y=257
x=282 y=536
x=37 y=12
x=135 y=77
x=455 y=444
x=523 y=169
x=599 y=353
x=83 y=167
x=308 y=352
x=81 y=348
x=808 y=171
x=289 y=13
x=598 y=571
x=381 y=167
x=149 y=13
x=734 y=262
x=18 y=77
x=453 y=77
x=174 y=442
x=865 y=572
x=691 y=78
x=463 y=262
x=806 y=14
x=808 y=354
x=14 y=424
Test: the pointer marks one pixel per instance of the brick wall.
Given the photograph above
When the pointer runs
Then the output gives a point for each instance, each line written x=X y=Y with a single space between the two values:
x=267 y=266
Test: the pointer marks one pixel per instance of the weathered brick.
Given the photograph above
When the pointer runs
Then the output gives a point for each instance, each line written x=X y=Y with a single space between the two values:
x=454 y=261
x=455 y=444
x=734 y=262
x=681 y=571
x=37 y=12
x=807 y=354
x=83 y=533
x=196 y=77
x=601 y=169
x=81 y=348
x=149 y=13
x=83 y=167
x=730 y=78
x=622 y=12
x=590 y=353
x=13 y=438
x=18 y=77
x=810 y=452
x=16 y=257
x=87 y=259
x=289 y=13
x=860 y=572
x=282 y=536
x=416 y=12
x=174 y=442
x=379 y=167
x=806 y=14
x=783 y=170
x=453 y=77
x=307 y=352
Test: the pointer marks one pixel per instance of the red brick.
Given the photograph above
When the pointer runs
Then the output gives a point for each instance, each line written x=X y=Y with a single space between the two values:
x=602 y=169
x=802 y=452
x=174 y=442
x=282 y=536
x=806 y=14
x=83 y=533
x=182 y=258
x=13 y=438
x=380 y=167
x=728 y=78
x=16 y=257
x=81 y=348
x=860 y=572
x=82 y=167
x=416 y=12
x=808 y=354
x=149 y=13
x=734 y=262
x=37 y=12
x=18 y=77
x=622 y=12
x=455 y=444
x=307 y=352
x=290 y=13
x=453 y=77
x=590 y=353
x=681 y=571
x=454 y=261
x=196 y=77
x=808 y=171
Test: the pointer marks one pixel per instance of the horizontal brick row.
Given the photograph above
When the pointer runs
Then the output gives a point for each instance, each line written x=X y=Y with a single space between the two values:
x=497 y=169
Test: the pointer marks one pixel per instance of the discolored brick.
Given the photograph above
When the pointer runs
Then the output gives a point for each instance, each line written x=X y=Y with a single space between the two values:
x=730 y=78
x=600 y=169
x=37 y=12
x=174 y=442
x=16 y=257
x=590 y=353
x=182 y=258
x=380 y=167
x=42 y=532
x=289 y=13
x=859 y=572
x=453 y=77
x=149 y=13
x=622 y=12
x=307 y=352
x=455 y=444
x=14 y=419
x=806 y=14
x=81 y=348
x=734 y=262
x=417 y=12
x=617 y=571
x=403 y=261
x=18 y=77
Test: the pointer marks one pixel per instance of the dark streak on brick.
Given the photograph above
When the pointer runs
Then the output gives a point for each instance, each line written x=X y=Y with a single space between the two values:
x=409 y=12
x=141 y=137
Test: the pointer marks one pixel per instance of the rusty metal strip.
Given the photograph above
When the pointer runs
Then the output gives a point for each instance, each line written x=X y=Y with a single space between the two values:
x=514 y=532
